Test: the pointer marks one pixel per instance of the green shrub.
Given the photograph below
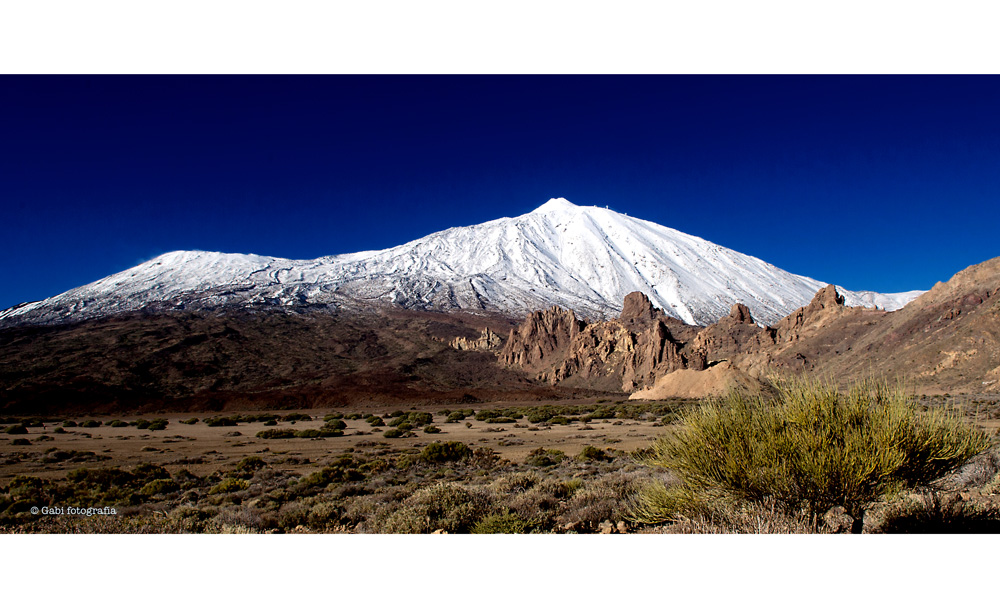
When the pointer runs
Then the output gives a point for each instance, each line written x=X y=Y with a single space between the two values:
x=271 y=423
x=220 y=422
x=507 y=415
x=397 y=421
x=159 y=486
x=296 y=417
x=20 y=442
x=158 y=424
x=318 y=433
x=229 y=485
x=505 y=522
x=592 y=454
x=251 y=463
x=118 y=423
x=603 y=412
x=275 y=434
x=333 y=474
x=419 y=419
x=559 y=420
x=376 y=421
x=90 y=423
x=334 y=424
x=810 y=447
x=540 y=414
x=393 y=433
x=69 y=424
x=16 y=430
x=432 y=429
x=540 y=457
x=334 y=417
x=437 y=452
x=190 y=421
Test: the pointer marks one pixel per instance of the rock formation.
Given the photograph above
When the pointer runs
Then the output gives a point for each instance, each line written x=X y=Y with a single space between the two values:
x=624 y=354
x=946 y=340
x=488 y=341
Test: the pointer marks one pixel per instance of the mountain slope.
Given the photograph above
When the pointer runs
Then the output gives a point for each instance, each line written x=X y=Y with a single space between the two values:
x=584 y=258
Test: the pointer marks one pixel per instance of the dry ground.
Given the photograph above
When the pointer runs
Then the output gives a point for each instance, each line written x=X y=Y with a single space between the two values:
x=226 y=479
x=202 y=449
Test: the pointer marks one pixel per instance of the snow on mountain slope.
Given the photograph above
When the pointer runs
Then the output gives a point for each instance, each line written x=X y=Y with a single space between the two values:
x=584 y=258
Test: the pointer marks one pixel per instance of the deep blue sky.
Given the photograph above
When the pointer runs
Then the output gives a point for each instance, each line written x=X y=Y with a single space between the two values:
x=884 y=183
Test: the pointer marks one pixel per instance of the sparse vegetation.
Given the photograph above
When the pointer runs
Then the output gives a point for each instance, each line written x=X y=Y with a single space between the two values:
x=287 y=480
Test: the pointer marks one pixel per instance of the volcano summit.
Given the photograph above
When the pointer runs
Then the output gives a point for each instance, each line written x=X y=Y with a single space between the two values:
x=580 y=257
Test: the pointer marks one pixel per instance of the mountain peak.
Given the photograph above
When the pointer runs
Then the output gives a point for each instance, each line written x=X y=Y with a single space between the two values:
x=554 y=256
x=555 y=205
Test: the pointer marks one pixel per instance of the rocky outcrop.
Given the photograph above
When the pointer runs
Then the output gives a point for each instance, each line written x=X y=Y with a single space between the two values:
x=825 y=306
x=488 y=341
x=626 y=354
x=947 y=340
x=731 y=336
x=542 y=340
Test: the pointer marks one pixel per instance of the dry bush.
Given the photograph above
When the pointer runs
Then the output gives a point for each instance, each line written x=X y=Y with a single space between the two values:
x=605 y=499
x=243 y=519
x=935 y=512
x=515 y=483
x=754 y=517
x=446 y=506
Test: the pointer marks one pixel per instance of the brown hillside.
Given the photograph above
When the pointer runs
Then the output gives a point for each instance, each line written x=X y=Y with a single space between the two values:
x=211 y=361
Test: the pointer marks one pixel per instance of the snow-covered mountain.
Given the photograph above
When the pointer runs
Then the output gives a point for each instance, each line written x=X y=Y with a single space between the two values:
x=584 y=258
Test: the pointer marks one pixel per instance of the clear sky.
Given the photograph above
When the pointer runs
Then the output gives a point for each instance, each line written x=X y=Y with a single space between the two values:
x=873 y=183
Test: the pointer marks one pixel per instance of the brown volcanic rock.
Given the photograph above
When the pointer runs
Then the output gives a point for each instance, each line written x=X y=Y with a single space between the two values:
x=825 y=306
x=542 y=340
x=947 y=340
x=731 y=336
x=638 y=309
x=488 y=341
x=622 y=354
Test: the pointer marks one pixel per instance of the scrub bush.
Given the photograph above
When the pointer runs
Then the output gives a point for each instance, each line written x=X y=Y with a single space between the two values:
x=809 y=447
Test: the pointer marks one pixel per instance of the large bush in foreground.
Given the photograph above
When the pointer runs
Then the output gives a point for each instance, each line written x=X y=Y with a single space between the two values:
x=807 y=446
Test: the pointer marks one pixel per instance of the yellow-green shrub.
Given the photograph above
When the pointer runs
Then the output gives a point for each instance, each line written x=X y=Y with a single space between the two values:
x=810 y=447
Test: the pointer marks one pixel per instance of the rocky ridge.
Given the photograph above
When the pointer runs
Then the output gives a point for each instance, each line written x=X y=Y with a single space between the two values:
x=947 y=340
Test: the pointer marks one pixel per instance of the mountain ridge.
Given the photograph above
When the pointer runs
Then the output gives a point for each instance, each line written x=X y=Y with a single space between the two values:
x=584 y=258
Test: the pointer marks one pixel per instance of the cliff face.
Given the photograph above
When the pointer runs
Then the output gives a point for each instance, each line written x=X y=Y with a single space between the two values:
x=541 y=341
x=626 y=353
